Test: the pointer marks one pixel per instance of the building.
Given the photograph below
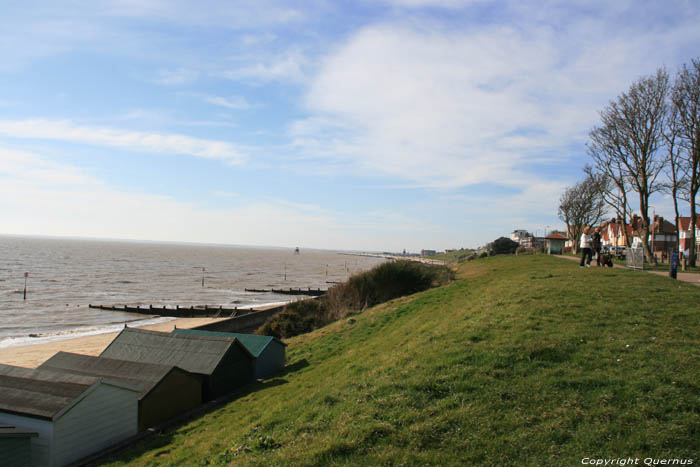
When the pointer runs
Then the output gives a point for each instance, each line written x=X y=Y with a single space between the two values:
x=685 y=234
x=269 y=352
x=662 y=238
x=520 y=236
x=165 y=391
x=555 y=243
x=224 y=364
x=425 y=253
x=73 y=416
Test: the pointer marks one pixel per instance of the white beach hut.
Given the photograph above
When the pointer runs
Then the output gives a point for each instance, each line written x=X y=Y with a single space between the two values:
x=74 y=416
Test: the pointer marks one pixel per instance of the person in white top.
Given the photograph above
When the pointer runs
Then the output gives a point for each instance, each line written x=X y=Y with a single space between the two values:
x=586 y=248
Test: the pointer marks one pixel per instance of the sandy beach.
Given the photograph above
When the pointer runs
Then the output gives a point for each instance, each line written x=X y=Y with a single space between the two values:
x=31 y=356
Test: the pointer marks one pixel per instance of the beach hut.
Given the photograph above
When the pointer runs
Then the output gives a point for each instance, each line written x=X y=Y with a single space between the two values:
x=223 y=363
x=164 y=390
x=269 y=352
x=555 y=243
x=74 y=416
x=15 y=445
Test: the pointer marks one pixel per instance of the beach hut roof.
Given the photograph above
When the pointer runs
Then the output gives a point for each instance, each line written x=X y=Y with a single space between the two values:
x=142 y=376
x=44 y=393
x=253 y=342
x=197 y=354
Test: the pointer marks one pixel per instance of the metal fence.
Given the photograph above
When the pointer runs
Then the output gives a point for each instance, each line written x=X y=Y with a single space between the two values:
x=635 y=258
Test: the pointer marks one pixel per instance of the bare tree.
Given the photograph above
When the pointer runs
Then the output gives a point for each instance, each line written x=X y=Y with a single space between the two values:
x=685 y=99
x=613 y=187
x=581 y=205
x=676 y=169
x=630 y=134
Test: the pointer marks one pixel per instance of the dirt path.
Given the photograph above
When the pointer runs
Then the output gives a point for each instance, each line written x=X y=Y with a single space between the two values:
x=689 y=277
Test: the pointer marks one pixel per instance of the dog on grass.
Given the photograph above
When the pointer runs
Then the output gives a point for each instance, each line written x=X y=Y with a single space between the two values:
x=605 y=260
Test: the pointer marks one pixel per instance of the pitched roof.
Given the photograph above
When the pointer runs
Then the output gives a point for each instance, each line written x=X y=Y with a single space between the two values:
x=42 y=393
x=197 y=354
x=253 y=342
x=141 y=376
x=685 y=222
x=557 y=237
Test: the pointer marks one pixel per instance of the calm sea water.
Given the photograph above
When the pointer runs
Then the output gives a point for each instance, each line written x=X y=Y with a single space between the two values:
x=65 y=275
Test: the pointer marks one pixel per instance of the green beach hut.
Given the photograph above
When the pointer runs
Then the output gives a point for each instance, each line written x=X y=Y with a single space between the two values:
x=555 y=244
x=269 y=352
x=165 y=391
x=224 y=364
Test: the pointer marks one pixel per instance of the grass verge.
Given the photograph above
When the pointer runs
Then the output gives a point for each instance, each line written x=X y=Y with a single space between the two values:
x=525 y=360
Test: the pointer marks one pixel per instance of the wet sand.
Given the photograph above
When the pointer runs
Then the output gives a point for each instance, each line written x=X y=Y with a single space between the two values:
x=32 y=356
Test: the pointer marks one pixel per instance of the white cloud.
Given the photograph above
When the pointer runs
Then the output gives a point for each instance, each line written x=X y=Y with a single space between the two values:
x=445 y=107
x=287 y=66
x=132 y=140
x=176 y=77
x=234 y=102
x=59 y=199
x=22 y=166
x=433 y=3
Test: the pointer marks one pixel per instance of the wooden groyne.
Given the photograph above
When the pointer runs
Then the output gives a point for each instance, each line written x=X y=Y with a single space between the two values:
x=298 y=291
x=178 y=311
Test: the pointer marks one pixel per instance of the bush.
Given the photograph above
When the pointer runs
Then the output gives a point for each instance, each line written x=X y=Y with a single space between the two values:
x=383 y=283
x=363 y=290
x=296 y=318
x=504 y=246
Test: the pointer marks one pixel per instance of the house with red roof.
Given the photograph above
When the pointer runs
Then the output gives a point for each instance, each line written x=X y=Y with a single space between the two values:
x=685 y=234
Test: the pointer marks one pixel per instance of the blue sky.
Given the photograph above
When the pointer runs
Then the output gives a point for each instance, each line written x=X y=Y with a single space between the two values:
x=367 y=125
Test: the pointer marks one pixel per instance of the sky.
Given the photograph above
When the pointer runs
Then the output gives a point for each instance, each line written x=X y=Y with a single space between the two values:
x=376 y=125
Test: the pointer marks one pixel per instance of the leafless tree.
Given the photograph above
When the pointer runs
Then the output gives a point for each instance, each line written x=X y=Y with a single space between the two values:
x=613 y=187
x=676 y=168
x=685 y=99
x=581 y=205
x=630 y=134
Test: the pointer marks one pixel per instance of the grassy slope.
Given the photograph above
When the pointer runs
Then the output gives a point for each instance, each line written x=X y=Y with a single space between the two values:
x=523 y=360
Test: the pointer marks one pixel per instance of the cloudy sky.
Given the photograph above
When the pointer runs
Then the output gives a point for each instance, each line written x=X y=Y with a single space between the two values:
x=367 y=125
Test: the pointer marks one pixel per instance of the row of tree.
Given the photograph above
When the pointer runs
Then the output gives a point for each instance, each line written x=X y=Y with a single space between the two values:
x=648 y=141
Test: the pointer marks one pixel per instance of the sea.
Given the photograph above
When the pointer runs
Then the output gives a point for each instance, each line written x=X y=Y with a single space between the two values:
x=64 y=276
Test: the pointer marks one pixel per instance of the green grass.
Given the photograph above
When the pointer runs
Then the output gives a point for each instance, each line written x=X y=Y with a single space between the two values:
x=525 y=360
x=453 y=256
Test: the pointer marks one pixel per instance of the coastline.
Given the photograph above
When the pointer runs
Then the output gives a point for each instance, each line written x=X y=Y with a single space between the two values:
x=33 y=355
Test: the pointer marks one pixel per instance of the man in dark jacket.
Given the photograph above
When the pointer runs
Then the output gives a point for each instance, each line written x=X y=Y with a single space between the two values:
x=596 y=240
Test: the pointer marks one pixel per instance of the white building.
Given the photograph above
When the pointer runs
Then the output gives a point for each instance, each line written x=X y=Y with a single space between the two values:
x=74 y=416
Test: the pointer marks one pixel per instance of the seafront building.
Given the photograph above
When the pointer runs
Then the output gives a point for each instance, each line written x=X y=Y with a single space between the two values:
x=269 y=352
x=73 y=416
x=224 y=364
x=165 y=391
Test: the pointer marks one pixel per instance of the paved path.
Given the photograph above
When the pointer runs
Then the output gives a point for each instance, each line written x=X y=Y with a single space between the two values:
x=682 y=276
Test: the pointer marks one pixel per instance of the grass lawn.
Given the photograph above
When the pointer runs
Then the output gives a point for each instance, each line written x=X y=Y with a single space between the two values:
x=526 y=360
x=454 y=256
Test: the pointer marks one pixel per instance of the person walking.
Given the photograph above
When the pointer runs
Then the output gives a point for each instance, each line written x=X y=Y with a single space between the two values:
x=597 y=243
x=585 y=247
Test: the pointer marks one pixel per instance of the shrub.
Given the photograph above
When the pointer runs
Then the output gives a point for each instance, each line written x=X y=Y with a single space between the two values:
x=363 y=290
x=296 y=318
x=383 y=283
x=504 y=246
